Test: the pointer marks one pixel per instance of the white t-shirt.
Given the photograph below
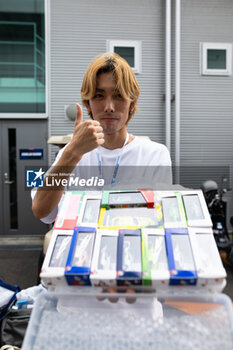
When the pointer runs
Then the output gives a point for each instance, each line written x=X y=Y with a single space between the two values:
x=133 y=158
x=139 y=152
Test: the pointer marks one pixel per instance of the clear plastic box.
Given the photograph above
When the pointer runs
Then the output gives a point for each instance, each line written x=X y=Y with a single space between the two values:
x=71 y=321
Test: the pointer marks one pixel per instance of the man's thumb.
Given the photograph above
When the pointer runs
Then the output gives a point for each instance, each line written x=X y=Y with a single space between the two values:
x=79 y=115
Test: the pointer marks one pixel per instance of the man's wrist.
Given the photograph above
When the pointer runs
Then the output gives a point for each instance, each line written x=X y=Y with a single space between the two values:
x=70 y=158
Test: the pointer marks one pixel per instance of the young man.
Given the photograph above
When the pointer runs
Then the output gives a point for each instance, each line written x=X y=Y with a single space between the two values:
x=110 y=93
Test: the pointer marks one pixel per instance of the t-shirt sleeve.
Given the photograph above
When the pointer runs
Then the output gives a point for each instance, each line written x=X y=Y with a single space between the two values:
x=164 y=171
x=52 y=216
x=165 y=158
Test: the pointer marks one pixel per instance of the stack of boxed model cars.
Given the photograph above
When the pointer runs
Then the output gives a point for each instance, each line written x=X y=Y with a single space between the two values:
x=143 y=239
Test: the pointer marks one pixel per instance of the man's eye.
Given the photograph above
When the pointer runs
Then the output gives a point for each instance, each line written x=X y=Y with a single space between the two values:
x=119 y=96
x=98 y=96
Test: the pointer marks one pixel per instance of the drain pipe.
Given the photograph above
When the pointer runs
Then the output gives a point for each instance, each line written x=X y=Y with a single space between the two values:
x=177 y=87
x=168 y=74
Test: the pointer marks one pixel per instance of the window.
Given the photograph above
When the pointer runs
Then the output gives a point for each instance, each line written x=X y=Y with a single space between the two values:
x=130 y=50
x=22 y=59
x=216 y=58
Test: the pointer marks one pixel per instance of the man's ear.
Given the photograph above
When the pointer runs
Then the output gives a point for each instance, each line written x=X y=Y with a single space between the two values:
x=131 y=108
x=131 y=111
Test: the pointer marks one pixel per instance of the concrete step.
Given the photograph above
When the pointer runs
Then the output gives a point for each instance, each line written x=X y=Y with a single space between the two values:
x=21 y=241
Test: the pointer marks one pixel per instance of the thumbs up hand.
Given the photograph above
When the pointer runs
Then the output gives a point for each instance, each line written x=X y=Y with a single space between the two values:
x=87 y=135
x=79 y=115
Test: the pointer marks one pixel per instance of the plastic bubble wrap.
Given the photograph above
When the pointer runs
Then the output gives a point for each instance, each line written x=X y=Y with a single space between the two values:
x=127 y=326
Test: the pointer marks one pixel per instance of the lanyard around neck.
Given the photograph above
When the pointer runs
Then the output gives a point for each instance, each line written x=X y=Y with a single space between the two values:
x=114 y=175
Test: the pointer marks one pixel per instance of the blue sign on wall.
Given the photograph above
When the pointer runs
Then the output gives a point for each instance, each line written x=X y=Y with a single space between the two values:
x=31 y=153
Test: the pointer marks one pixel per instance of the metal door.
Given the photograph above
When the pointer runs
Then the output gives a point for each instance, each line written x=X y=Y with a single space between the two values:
x=16 y=216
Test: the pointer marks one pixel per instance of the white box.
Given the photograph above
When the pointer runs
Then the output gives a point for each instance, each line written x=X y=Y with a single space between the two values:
x=52 y=272
x=89 y=213
x=154 y=258
x=173 y=210
x=104 y=260
x=196 y=209
x=210 y=270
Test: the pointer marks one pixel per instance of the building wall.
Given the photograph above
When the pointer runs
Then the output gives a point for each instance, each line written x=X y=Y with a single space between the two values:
x=206 y=141
x=206 y=101
x=79 y=31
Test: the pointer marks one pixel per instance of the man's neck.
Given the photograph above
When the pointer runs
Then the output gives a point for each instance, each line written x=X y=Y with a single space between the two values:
x=116 y=140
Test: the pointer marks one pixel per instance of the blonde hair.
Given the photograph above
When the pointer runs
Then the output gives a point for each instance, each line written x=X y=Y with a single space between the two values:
x=126 y=82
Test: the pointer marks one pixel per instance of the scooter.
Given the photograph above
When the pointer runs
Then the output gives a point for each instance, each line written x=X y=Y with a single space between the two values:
x=218 y=212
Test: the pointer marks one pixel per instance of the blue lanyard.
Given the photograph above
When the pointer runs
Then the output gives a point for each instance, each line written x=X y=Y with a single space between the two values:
x=114 y=175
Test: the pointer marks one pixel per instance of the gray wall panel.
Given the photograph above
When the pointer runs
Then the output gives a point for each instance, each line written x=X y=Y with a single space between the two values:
x=206 y=101
x=207 y=104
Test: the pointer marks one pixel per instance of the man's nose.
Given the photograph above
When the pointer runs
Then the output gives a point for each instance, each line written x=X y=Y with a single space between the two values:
x=109 y=105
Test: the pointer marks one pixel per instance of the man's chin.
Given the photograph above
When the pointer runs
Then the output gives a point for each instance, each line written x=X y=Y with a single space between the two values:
x=109 y=128
x=109 y=131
